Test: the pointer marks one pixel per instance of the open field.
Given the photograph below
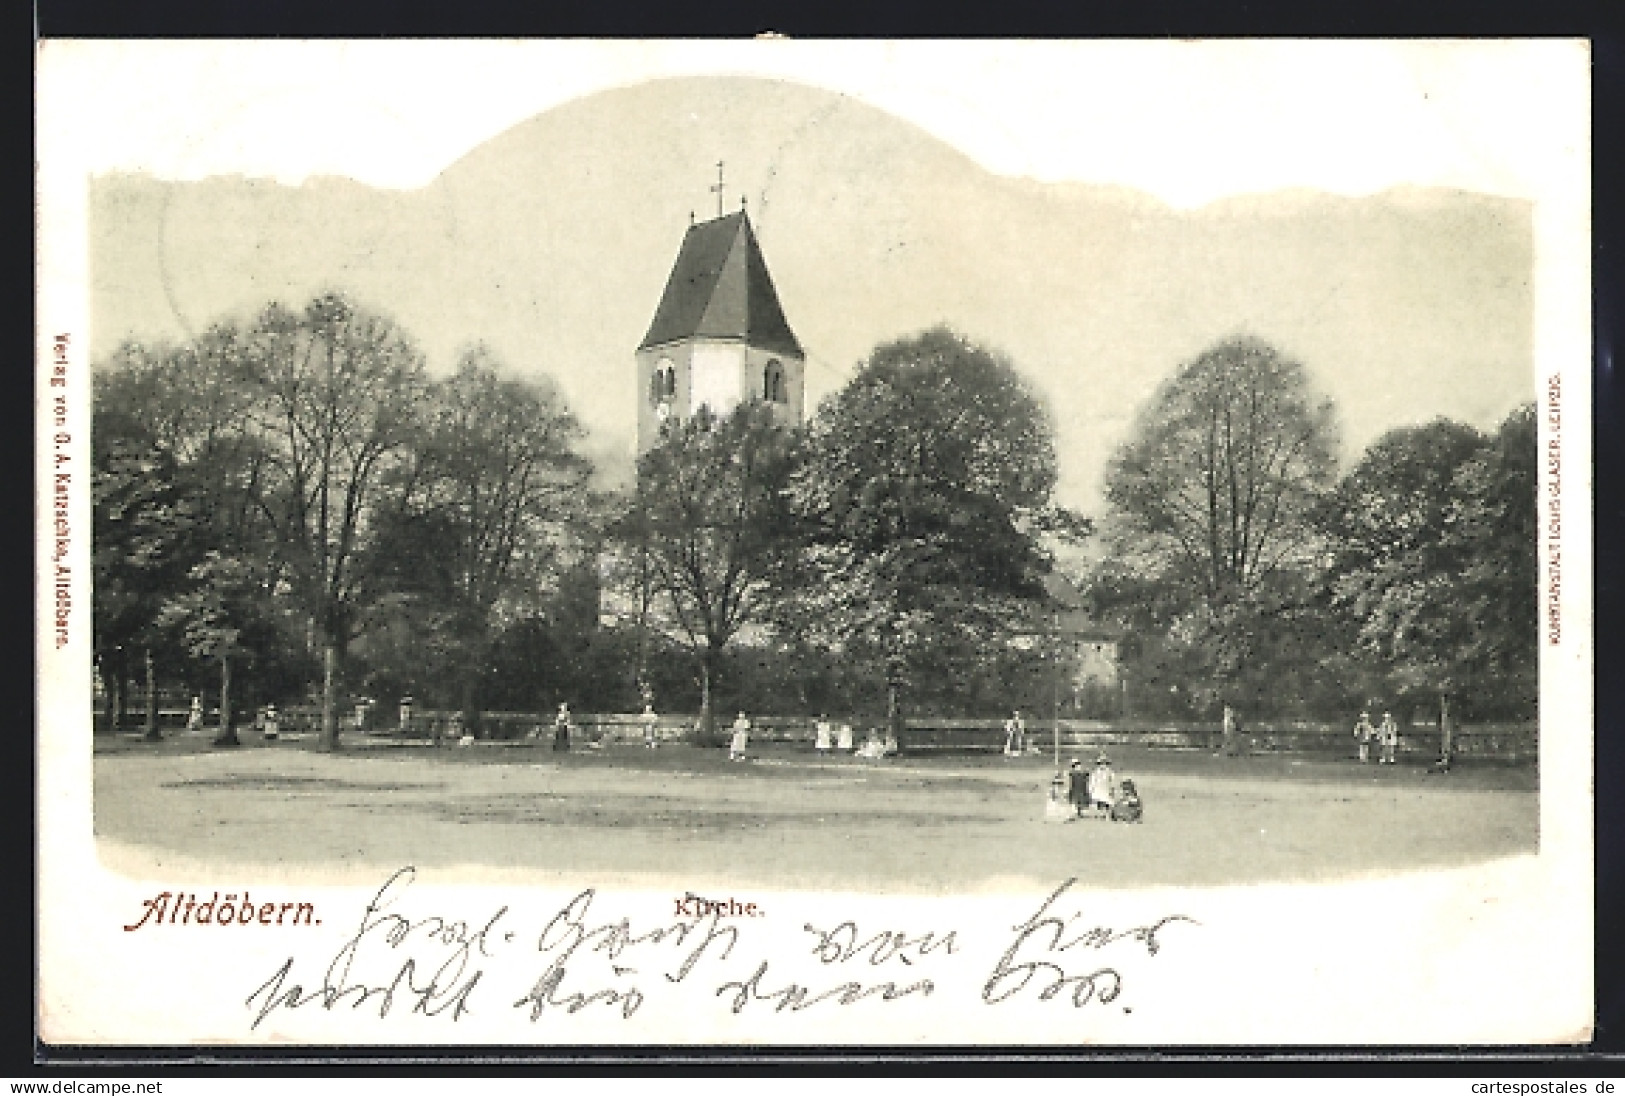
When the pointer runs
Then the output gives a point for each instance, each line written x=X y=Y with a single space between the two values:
x=790 y=818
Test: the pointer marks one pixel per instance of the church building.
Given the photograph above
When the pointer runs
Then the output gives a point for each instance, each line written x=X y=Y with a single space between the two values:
x=719 y=337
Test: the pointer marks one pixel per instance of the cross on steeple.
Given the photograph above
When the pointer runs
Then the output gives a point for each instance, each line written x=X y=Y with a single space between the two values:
x=717 y=190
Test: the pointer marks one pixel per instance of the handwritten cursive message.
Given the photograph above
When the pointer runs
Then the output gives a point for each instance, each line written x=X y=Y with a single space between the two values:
x=398 y=960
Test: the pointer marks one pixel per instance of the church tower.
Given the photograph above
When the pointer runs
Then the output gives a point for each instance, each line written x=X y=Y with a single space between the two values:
x=719 y=337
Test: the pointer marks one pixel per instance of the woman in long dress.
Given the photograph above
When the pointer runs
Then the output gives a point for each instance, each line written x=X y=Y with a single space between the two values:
x=741 y=738
x=1102 y=785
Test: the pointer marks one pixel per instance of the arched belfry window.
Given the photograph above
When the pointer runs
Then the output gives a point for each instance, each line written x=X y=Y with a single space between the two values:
x=773 y=383
x=663 y=383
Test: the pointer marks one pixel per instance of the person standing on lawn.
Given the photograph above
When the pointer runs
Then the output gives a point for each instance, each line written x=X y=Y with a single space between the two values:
x=823 y=736
x=649 y=720
x=741 y=738
x=1015 y=736
x=561 y=729
x=1364 y=732
x=1389 y=733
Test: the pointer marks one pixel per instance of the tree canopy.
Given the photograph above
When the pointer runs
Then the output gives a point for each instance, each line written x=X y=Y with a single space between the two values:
x=1221 y=479
x=487 y=506
x=1432 y=575
x=927 y=486
x=1249 y=573
x=279 y=495
x=1212 y=508
x=330 y=477
x=713 y=528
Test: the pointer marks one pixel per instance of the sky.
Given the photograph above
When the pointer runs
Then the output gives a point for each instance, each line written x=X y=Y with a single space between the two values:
x=1190 y=123
x=1229 y=117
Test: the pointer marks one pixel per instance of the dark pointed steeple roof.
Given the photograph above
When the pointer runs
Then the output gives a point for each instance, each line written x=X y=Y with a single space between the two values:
x=720 y=288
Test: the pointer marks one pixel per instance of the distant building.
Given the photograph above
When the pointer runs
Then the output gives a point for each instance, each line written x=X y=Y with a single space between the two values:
x=1093 y=648
x=719 y=337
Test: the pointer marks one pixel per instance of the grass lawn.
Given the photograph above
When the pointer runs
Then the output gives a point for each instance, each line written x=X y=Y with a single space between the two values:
x=789 y=818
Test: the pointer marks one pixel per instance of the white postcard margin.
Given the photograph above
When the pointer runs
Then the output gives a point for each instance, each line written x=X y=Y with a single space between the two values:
x=1501 y=953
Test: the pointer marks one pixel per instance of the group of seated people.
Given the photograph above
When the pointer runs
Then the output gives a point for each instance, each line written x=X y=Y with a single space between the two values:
x=879 y=743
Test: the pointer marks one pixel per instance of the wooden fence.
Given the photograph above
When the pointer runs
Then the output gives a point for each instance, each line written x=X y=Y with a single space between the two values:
x=1507 y=742
x=1516 y=742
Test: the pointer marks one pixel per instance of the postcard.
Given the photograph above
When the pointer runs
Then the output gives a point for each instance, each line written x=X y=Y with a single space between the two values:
x=782 y=543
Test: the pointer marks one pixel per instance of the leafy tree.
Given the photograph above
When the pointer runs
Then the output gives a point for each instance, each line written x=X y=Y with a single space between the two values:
x=148 y=528
x=337 y=400
x=1496 y=522
x=1212 y=503
x=928 y=483
x=713 y=529
x=225 y=618
x=492 y=500
x=1394 y=572
x=1433 y=575
x=196 y=401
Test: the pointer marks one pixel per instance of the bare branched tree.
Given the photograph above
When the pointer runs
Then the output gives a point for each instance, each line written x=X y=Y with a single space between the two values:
x=339 y=394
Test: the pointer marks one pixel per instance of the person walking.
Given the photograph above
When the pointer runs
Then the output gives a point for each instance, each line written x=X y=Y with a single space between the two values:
x=1364 y=732
x=194 y=715
x=561 y=729
x=649 y=721
x=1389 y=733
x=740 y=739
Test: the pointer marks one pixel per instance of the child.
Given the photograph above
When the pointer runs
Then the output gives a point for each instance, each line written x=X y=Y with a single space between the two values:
x=1102 y=786
x=1127 y=806
x=1058 y=807
x=872 y=749
x=1077 y=788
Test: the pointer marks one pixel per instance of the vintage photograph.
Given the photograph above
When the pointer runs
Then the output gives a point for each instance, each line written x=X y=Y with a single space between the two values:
x=722 y=477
